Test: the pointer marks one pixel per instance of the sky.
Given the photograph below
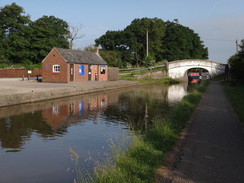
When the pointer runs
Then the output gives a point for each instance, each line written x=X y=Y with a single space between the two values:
x=219 y=23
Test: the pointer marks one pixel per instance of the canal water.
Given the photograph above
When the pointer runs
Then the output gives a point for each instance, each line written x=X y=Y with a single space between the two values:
x=35 y=139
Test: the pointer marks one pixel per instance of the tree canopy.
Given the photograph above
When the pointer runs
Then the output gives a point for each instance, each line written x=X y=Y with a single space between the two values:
x=48 y=32
x=15 y=33
x=25 y=41
x=167 y=41
x=181 y=42
x=236 y=62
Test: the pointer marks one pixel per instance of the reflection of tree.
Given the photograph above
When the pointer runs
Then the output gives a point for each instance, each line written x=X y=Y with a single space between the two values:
x=139 y=107
x=15 y=130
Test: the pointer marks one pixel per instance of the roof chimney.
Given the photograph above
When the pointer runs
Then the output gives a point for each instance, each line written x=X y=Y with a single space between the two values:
x=96 y=50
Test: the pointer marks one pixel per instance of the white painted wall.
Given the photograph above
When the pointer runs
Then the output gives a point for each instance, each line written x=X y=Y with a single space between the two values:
x=177 y=69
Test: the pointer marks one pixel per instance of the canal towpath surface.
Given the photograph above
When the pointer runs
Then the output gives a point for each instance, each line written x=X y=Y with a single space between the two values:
x=211 y=148
x=15 y=91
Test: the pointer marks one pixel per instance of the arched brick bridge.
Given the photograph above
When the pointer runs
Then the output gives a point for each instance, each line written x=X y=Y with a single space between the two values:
x=178 y=69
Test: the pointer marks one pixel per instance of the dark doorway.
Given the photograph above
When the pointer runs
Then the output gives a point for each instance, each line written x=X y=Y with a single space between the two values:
x=71 y=72
x=89 y=72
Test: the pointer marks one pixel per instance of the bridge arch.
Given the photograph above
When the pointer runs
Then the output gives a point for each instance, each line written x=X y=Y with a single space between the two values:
x=178 y=69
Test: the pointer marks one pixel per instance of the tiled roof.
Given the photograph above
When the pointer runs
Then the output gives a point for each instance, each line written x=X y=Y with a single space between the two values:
x=80 y=57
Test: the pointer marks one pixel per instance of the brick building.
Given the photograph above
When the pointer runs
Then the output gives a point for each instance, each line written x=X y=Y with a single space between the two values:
x=64 y=65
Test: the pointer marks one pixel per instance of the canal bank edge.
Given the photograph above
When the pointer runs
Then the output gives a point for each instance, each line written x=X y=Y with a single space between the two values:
x=13 y=97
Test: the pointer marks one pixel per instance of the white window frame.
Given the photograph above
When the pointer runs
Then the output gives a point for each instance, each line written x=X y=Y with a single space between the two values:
x=56 y=110
x=56 y=68
x=102 y=70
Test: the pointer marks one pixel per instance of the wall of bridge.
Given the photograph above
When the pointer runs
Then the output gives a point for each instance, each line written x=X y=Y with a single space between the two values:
x=178 y=69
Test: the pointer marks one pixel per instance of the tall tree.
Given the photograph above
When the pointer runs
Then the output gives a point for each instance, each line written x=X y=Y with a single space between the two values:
x=48 y=32
x=112 y=40
x=131 y=42
x=181 y=42
x=137 y=38
x=166 y=40
x=237 y=62
x=15 y=33
x=112 y=58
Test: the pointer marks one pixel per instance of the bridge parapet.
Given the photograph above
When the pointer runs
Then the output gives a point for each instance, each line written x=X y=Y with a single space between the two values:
x=178 y=69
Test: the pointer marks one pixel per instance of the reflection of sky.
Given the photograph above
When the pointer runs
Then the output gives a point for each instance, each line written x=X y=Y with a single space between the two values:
x=35 y=161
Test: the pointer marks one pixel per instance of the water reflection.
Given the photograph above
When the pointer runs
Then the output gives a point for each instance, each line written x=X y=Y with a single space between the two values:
x=48 y=122
x=134 y=106
x=16 y=130
x=82 y=122
x=61 y=116
x=176 y=93
x=137 y=107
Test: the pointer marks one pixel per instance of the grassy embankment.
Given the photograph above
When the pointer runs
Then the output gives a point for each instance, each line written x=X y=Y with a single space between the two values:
x=132 y=75
x=236 y=97
x=138 y=161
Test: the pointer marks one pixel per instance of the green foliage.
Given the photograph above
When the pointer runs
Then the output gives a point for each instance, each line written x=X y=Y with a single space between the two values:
x=136 y=164
x=131 y=41
x=136 y=34
x=30 y=66
x=149 y=61
x=167 y=41
x=181 y=42
x=14 y=34
x=112 y=58
x=48 y=32
x=162 y=137
x=159 y=80
x=237 y=63
x=218 y=77
x=22 y=40
x=236 y=97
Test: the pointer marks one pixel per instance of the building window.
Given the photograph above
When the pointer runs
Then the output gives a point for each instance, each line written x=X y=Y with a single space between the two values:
x=102 y=69
x=56 y=110
x=56 y=68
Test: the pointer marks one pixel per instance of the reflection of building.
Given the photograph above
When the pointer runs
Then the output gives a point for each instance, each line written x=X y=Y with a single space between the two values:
x=60 y=116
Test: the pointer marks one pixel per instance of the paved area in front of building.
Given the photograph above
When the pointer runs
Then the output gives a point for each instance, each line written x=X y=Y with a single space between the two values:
x=14 y=90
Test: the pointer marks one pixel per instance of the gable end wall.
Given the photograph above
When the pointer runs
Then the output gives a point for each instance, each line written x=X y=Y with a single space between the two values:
x=48 y=75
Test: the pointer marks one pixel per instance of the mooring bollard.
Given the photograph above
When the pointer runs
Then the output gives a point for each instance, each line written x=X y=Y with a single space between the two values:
x=23 y=77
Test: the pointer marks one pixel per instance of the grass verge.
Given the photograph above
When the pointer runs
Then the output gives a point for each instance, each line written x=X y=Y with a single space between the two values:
x=235 y=95
x=159 y=80
x=137 y=162
x=152 y=80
